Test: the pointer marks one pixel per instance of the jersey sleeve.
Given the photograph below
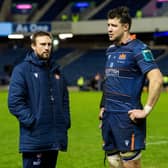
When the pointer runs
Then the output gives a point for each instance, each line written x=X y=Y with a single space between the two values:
x=145 y=59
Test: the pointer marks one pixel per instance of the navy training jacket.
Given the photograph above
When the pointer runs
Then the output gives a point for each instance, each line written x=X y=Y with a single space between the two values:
x=38 y=97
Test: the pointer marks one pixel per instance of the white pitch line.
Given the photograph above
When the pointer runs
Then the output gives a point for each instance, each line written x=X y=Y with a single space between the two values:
x=157 y=143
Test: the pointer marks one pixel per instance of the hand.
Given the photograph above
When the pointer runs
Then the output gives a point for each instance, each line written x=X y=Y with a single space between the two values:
x=100 y=116
x=101 y=113
x=136 y=114
x=100 y=124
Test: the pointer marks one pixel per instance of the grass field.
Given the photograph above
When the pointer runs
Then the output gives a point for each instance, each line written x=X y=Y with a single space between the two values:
x=85 y=143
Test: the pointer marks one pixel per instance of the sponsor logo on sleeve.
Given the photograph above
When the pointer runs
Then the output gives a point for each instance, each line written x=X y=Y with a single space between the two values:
x=148 y=56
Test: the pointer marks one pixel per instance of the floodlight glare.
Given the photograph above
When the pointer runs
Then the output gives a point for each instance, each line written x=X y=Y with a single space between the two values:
x=15 y=36
x=65 y=35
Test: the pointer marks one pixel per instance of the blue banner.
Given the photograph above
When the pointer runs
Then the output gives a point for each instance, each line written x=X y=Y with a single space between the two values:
x=5 y=28
x=29 y=28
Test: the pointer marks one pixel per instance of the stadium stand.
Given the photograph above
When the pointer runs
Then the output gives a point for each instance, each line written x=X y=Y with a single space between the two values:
x=1 y=2
x=133 y=5
x=54 y=10
x=81 y=58
x=61 y=52
x=87 y=65
x=9 y=58
x=162 y=62
x=158 y=52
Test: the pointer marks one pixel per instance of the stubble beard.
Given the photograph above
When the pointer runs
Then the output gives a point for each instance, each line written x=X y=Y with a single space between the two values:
x=116 y=40
x=44 y=56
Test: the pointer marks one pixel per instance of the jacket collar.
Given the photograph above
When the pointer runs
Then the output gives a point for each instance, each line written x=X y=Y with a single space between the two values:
x=34 y=59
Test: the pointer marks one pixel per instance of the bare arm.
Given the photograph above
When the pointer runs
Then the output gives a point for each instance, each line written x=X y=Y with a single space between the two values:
x=155 y=85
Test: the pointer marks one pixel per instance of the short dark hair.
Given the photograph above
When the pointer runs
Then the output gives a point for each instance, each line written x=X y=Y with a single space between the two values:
x=38 y=34
x=121 y=13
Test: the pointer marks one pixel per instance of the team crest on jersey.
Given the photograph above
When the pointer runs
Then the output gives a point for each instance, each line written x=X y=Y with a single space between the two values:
x=122 y=56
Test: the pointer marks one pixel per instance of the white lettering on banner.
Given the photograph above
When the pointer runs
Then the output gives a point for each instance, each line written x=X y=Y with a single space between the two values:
x=34 y=28
x=25 y=28
x=21 y=28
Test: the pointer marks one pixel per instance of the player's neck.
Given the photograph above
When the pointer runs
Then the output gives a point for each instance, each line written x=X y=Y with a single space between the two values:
x=126 y=38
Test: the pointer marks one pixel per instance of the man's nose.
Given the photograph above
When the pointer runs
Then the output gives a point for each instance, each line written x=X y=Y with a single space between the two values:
x=109 y=29
x=47 y=46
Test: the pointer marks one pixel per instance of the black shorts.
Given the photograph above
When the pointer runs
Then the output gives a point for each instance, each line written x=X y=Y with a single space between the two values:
x=46 y=159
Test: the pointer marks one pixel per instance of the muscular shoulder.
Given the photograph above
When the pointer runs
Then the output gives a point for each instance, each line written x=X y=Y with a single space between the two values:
x=137 y=45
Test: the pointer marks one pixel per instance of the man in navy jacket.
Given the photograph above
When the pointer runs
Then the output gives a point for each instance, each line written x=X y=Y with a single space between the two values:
x=38 y=97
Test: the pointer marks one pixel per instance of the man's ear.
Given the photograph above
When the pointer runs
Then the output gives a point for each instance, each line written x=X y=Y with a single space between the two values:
x=126 y=27
x=33 y=46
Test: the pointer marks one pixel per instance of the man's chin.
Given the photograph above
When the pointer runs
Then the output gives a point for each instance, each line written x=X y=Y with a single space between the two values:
x=114 y=41
x=111 y=39
x=44 y=57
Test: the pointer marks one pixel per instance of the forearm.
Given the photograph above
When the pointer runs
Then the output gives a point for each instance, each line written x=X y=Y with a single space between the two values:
x=155 y=87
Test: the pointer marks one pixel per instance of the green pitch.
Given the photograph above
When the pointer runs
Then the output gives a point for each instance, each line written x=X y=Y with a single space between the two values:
x=85 y=142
